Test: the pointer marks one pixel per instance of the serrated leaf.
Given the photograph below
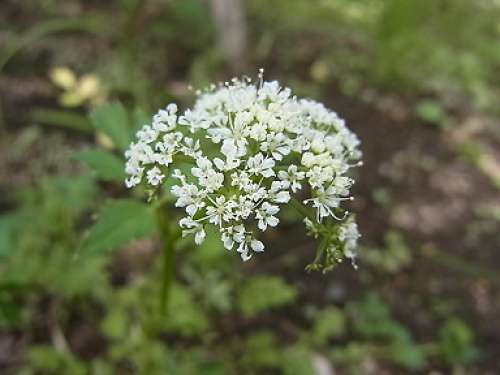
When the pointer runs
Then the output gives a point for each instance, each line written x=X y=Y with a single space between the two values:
x=112 y=119
x=118 y=223
x=107 y=165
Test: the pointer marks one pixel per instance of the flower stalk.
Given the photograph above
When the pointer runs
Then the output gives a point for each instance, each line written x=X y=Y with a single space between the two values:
x=168 y=242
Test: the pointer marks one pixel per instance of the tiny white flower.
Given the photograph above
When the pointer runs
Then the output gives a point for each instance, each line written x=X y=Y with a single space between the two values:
x=278 y=192
x=193 y=227
x=258 y=131
x=277 y=145
x=349 y=234
x=318 y=176
x=259 y=164
x=195 y=119
x=165 y=121
x=265 y=215
x=324 y=201
x=154 y=176
x=221 y=210
x=133 y=180
x=147 y=134
x=232 y=235
x=255 y=192
x=189 y=196
x=244 y=208
x=292 y=177
x=248 y=245
x=208 y=177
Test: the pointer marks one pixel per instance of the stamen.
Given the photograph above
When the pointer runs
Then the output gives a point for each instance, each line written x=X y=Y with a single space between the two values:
x=261 y=77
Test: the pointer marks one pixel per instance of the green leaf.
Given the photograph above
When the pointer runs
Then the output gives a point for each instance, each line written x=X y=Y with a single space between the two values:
x=329 y=323
x=115 y=324
x=262 y=350
x=8 y=223
x=261 y=293
x=457 y=342
x=112 y=119
x=140 y=118
x=433 y=112
x=107 y=165
x=118 y=223
x=407 y=354
x=66 y=119
x=10 y=311
x=296 y=360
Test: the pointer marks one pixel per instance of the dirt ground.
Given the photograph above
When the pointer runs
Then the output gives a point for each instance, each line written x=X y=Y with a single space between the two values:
x=436 y=190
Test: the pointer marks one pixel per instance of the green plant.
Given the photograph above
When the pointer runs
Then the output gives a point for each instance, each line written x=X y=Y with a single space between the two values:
x=59 y=204
x=394 y=255
x=456 y=343
x=251 y=299
x=385 y=337
x=433 y=112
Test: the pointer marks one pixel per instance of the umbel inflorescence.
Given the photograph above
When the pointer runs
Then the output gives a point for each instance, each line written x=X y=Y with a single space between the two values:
x=243 y=152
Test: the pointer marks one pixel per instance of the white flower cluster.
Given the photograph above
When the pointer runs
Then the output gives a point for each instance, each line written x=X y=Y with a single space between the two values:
x=242 y=153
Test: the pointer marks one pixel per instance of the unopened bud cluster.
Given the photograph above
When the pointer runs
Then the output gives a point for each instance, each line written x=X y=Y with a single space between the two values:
x=245 y=150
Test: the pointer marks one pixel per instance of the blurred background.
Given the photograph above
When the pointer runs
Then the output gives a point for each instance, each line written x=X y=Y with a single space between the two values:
x=418 y=81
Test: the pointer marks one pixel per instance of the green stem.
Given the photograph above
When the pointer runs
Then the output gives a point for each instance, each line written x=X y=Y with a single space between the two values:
x=461 y=264
x=168 y=244
x=320 y=252
x=300 y=208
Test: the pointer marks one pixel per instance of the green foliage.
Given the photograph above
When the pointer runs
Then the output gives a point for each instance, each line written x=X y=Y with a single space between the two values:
x=351 y=356
x=330 y=322
x=107 y=165
x=456 y=343
x=371 y=319
x=10 y=311
x=262 y=293
x=8 y=224
x=133 y=323
x=432 y=112
x=261 y=349
x=118 y=223
x=264 y=353
x=113 y=120
x=62 y=118
x=49 y=360
x=402 y=46
x=394 y=255
x=297 y=360
x=41 y=248
x=408 y=30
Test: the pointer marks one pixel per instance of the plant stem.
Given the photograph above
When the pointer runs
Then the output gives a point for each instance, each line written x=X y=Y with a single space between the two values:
x=299 y=207
x=168 y=249
x=461 y=264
